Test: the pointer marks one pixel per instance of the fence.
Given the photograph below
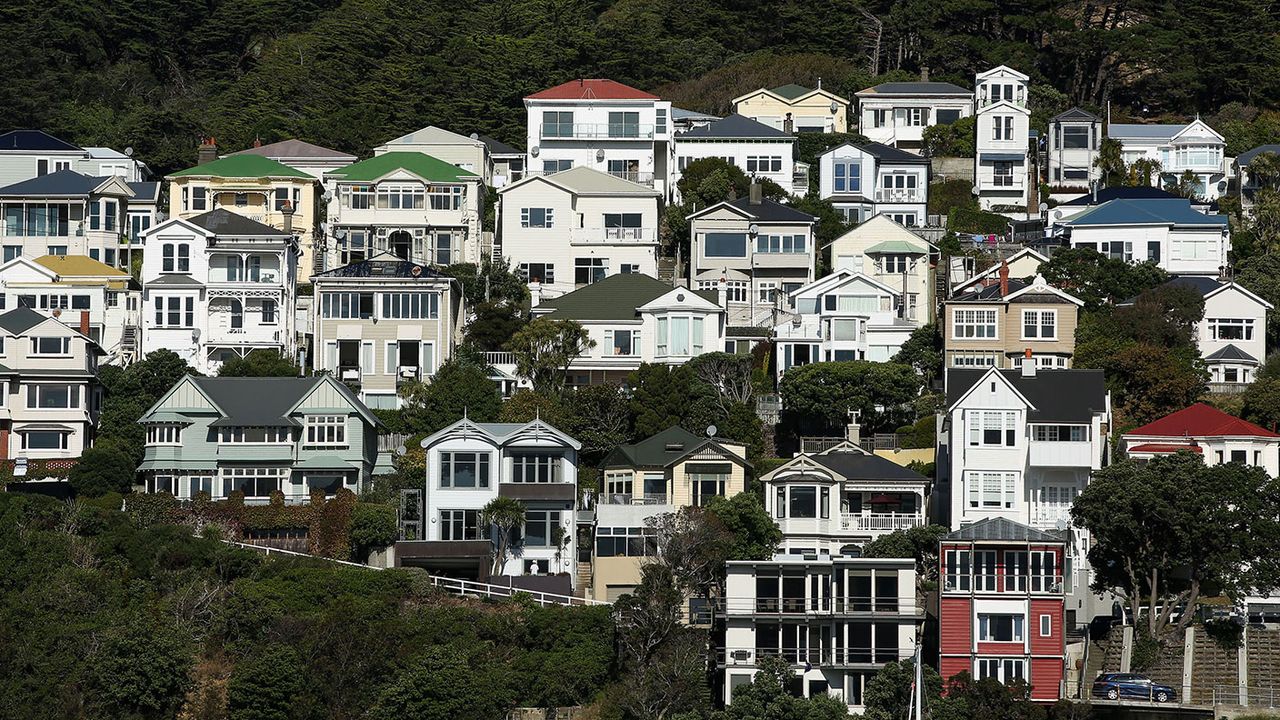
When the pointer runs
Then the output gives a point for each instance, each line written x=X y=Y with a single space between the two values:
x=1246 y=696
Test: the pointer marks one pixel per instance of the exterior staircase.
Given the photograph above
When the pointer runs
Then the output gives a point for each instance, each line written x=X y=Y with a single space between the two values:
x=667 y=270
x=584 y=579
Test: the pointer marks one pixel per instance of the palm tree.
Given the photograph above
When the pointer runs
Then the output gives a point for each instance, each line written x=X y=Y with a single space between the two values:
x=1264 y=170
x=504 y=515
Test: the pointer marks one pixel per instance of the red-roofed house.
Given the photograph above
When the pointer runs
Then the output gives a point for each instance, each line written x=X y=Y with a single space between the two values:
x=1206 y=430
x=601 y=124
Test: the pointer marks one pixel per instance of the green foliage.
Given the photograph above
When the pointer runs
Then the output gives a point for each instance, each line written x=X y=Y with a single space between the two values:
x=819 y=396
x=922 y=351
x=976 y=222
x=987 y=699
x=129 y=392
x=459 y=388
x=526 y=405
x=504 y=515
x=493 y=326
x=103 y=469
x=1096 y=279
x=446 y=685
x=923 y=433
x=142 y=668
x=545 y=347
x=660 y=395
x=260 y=363
x=950 y=195
x=491 y=282
x=919 y=542
x=954 y=140
x=1261 y=275
x=755 y=535
x=888 y=695
x=372 y=527
x=769 y=697
x=265 y=687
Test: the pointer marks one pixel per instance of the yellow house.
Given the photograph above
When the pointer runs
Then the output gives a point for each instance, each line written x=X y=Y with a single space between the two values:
x=660 y=474
x=807 y=110
x=255 y=187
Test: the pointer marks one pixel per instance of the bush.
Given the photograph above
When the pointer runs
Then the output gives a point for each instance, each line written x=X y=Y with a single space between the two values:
x=266 y=687
x=101 y=470
x=978 y=222
x=372 y=527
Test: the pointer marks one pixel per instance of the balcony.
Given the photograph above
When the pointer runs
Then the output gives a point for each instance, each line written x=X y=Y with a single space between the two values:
x=899 y=195
x=640 y=178
x=1228 y=388
x=816 y=657
x=1048 y=516
x=408 y=374
x=632 y=498
x=1061 y=454
x=613 y=236
x=880 y=521
x=595 y=131
x=499 y=358
x=1004 y=584
x=1011 y=183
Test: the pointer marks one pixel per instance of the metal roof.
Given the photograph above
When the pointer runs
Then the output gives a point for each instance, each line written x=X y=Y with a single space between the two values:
x=768 y=211
x=1149 y=211
x=662 y=449
x=295 y=149
x=1145 y=131
x=226 y=223
x=791 y=91
x=1057 y=395
x=1075 y=113
x=1003 y=529
x=585 y=180
x=1246 y=157
x=862 y=466
x=34 y=140
x=1231 y=353
x=1200 y=420
x=242 y=166
x=420 y=164
x=917 y=88
x=1120 y=193
x=591 y=89
x=614 y=298
x=21 y=319
x=497 y=147
x=63 y=183
x=735 y=126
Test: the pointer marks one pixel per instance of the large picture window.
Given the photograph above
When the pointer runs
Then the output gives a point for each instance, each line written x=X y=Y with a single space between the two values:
x=328 y=431
x=540 y=528
x=53 y=396
x=464 y=470
x=992 y=428
x=725 y=245
x=679 y=336
x=991 y=490
x=1001 y=628
x=535 y=468
x=967 y=324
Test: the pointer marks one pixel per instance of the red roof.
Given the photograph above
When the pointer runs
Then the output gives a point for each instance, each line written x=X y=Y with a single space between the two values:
x=1164 y=448
x=1201 y=420
x=596 y=89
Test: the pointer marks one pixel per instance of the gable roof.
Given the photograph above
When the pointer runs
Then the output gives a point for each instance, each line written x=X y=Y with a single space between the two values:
x=1173 y=211
x=614 y=298
x=1055 y=395
x=1040 y=288
x=220 y=221
x=790 y=91
x=21 y=319
x=384 y=265
x=995 y=269
x=735 y=126
x=1144 y=131
x=1002 y=529
x=1207 y=287
x=891 y=154
x=683 y=114
x=583 y=180
x=767 y=211
x=1001 y=70
x=499 y=433
x=916 y=88
x=1108 y=194
x=78 y=266
x=242 y=166
x=840 y=279
x=295 y=149
x=1075 y=113
x=420 y=164
x=265 y=401
x=866 y=466
x=1247 y=156
x=989 y=292
x=591 y=89
x=497 y=147
x=664 y=448
x=145 y=191
x=63 y=183
x=1201 y=420
x=34 y=141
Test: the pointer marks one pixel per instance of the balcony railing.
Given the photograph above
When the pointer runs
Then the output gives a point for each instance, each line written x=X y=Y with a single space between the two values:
x=817 y=606
x=816 y=657
x=500 y=358
x=1050 y=515
x=640 y=178
x=1001 y=583
x=633 y=498
x=608 y=131
x=899 y=195
x=880 y=521
x=613 y=235
x=1228 y=388
x=1006 y=182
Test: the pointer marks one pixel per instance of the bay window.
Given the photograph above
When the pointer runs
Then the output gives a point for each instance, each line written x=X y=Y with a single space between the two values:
x=679 y=336
x=991 y=490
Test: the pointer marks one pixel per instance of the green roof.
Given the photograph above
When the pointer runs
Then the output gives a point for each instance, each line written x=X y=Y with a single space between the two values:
x=420 y=164
x=791 y=91
x=897 y=247
x=614 y=298
x=660 y=450
x=242 y=166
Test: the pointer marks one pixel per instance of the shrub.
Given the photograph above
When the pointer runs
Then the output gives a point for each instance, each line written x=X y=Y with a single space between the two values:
x=372 y=527
x=101 y=470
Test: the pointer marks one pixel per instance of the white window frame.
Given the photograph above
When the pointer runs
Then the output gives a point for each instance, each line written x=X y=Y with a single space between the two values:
x=1035 y=319
x=325 y=431
x=991 y=489
x=548 y=218
x=975 y=324
x=164 y=434
x=986 y=631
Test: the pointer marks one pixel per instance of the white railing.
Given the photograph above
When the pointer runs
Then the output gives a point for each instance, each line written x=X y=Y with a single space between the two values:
x=491 y=590
x=268 y=550
x=611 y=131
x=640 y=178
x=633 y=498
x=1050 y=515
x=899 y=196
x=1246 y=696
x=1005 y=182
x=500 y=357
x=880 y=521
x=613 y=235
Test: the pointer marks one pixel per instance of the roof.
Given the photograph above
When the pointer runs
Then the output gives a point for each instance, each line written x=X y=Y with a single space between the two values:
x=420 y=164
x=891 y=154
x=1231 y=353
x=584 y=180
x=1201 y=420
x=34 y=140
x=295 y=149
x=1164 y=448
x=1172 y=211
x=659 y=450
x=916 y=88
x=591 y=89
x=220 y=221
x=768 y=211
x=63 y=183
x=990 y=292
x=21 y=319
x=242 y=166
x=262 y=401
x=79 y=266
x=1162 y=131
x=497 y=147
x=1121 y=193
x=1247 y=156
x=1075 y=113
x=1056 y=395
x=735 y=126
x=143 y=191
x=682 y=114
x=384 y=265
x=999 y=529
x=614 y=298
x=175 y=280
x=897 y=247
x=324 y=462
x=866 y=466
x=791 y=91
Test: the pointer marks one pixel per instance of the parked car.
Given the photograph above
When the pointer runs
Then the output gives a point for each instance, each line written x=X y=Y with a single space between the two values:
x=1114 y=686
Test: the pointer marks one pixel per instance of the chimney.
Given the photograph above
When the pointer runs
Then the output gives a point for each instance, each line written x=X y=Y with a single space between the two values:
x=84 y=323
x=722 y=292
x=207 y=152
x=535 y=292
x=287 y=210
x=1028 y=364
x=257 y=142
x=755 y=195
x=4 y=443
x=853 y=431
x=924 y=74
x=1004 y=278
x=788 y=124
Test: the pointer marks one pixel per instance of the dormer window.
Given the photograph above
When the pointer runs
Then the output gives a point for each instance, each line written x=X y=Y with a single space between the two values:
x=168 y=434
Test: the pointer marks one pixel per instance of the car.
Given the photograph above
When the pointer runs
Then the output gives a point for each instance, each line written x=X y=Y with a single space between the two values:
x=1115 y=686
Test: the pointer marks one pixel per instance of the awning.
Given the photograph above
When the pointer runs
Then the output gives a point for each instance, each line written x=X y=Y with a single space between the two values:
x=166 y=417
x=1002 y=157
x=896 y=247
x=726 y=273
x=179 y=466
x=324 y=462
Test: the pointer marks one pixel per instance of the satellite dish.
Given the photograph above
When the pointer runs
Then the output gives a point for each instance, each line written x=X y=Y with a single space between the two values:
x=1044 y=206
x=753 y=229
x=974 y=190
x=161 y=217
x=401 y=450
x=128 y=151
x=475 y=136
x=1061 y=524
x=327 y=195
x=534 y=151
x=711 y=431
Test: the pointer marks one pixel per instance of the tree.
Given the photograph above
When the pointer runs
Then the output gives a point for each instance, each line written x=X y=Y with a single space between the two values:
x=693 y=545
x=493 y=325
x=447 y=682
x=265 y=687
x=600 y=418
x=260 y=363
x=987 y=699
x=1143 y=172
x=504 y=515
x=1262 y=402
x=919 y=542
x=528 y=405
x=819 y=396
x=1261 y=275
x=729 y=376
x=1098 y=280
x=544 y=348
x=459 y=388
x=888 y=695
x=922 y=351
x=769 y=697
x=104 y=468
x=659 y=397
x=755 y=535
x=648 y=617
x=141 y=668
x=1110 y=163
x=372 y=527
x=490 y=283
x=953 y=140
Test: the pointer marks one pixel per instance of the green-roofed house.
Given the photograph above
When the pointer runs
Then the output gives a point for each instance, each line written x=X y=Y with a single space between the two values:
x=257 y=436
x=796 y=108
x=884 y=250
x=257 y=187
x=636 y=319
x=410 y=204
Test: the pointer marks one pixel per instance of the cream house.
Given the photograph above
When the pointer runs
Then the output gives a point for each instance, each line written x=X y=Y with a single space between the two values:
x=795 y=108
x=888 y=253
x=1004 y=324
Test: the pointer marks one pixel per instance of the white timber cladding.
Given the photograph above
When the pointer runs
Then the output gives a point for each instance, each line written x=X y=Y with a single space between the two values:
x=1003 y=125
x=1179 y=250
x=768 y=158
x=861 y=186
x=1073 y=151
x=722 y=241
x=55 y=405
x=900 y=119
x=1233 y=316
x=1195 y=148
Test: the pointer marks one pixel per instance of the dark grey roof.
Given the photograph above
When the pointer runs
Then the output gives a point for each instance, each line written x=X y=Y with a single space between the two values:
x=263 y=401
x=497 y=147
x=383 y=265
x=1003 y=529
x=175 y=280
x=225 y=222
x=36 y=140
x=771 y=211
x=670 y=445
x=1247 y=156
x=1121 y=193
x=1057 y=395
x=861 y=466
x=1075 y=113
x=746 y=331
x=63 y=183
x=1231 y=353
x=144 y=191
x=614 y=298
x=21 y=319
x=991 y=292
x=735 y=126
x=917 y=88
x=891 y=154
x=1200 y=284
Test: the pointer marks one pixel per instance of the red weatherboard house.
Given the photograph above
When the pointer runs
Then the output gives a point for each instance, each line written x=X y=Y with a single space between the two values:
x=1002 y=605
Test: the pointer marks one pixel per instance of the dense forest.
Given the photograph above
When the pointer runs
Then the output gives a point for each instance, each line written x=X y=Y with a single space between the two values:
x=157 y=74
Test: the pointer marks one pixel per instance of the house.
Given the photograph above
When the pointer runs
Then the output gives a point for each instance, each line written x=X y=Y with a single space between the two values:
x=1168 y=232
x=842 y=316
x=1020 y=445
x=683 y=120
x=261 y=190
x=1003 y=324
x=660 y=474
x=871 y=179
x=1024 y=263
x=836 y=501
x=761 y=249
x=470 y=464
x=1002 y=172
x=1210 y=433
x=569 y=229
x=143 y=211
x=66 y=213
x=383 y=322
x=836 y=620
x=310 y=158
x=757 y=149
x=1001 y=605
x=69 y=285
x=258 y=436
x=103 y=161
x=896 y=113
x=1064 y=211
x=1075 y=137
x=601 y=124
x=794 y=108
x=48 y=386
x=26 y=154
x=1194 y=147
x=885 y=251
x=506 y=163
x=1249 y=180
x=217 y=286
x=417 y=207
x=635 y=319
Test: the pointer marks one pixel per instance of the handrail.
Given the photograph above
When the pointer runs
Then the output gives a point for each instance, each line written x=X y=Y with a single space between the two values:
x=1252 y=697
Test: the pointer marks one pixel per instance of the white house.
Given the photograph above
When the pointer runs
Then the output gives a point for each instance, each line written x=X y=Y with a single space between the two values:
x=871 y=179
x=601 y=124
x=843 y=316
x=636 y=319
x=469 y=464
x=578 y=226
x=66 y=213
x=896 y=113
x=1194 y=147
x=1075 y=137
x=217 y=286
x=1168 y=232
x=1001 y=170
x=887 y=252
x=1210 y=433
x=757 y=149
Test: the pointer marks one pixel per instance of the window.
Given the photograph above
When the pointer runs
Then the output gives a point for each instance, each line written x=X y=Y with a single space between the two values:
x=764 y=163
x=624 y=226
x=50 y=346
x=357 y=197
x=557 y=124
x=326 y=431
x=895 y=264
x=679 y=336
x=847 y=176
x=346 y=305
x=1003 y=669
x=268 y=312
x=44 y=439
x=401 y=196
x=622 y=343
x=1002 y=127
x=724 y=245
x=254 y=435
x=555 y=166
x=237 y=314
x=542 y=528
x=780 y=244
x=53 y=397
x=461 y=525
x=1002 y=174
x=1193 y=248
x=625 y=542
x=175 y=312
x=1231 y=328
x=445 y=197
x=911 y=117
x=175 y=257
x=1039 y=324
x=590 y=270
x=538 y=272
x=1153 y=251
x=1046 y=626
x=957 y=566
x=199 y=198
x=78 y=302
x=991 y=490
x=164 y=434
x=992 y=428
x=946 y=117
x=707 y=480
x=1060 y=433
x=537 y=217
x=535 y=468
x=11 y=252
x=624 y=124
x=58 y=250
x=973 y=324
x=464 y=470
x=1000 y=628
x=845 y=329
x=1075 y=136
x=410 y=305
x=800 y=501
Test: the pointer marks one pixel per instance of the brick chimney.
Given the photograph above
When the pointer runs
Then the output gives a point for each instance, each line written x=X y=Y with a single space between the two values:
x=1004 y=278
x=84 y=323
x=286 y=209
x=4 y=443
x=1028 y=364
x=207 y=152
x=755 y=194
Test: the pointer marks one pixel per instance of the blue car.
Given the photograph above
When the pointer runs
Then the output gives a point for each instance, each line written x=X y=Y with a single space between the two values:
x=1116 y=686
